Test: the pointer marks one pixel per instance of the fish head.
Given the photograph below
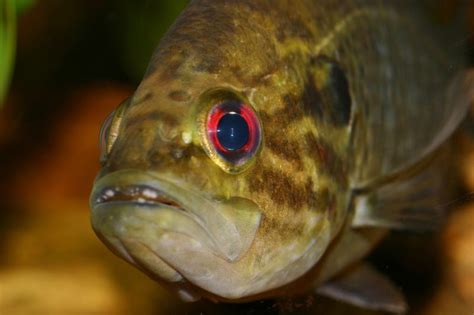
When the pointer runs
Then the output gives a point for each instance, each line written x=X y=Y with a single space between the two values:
x=210 y=180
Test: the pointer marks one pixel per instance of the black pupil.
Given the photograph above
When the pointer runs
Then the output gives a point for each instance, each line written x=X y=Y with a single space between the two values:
x=232 y=131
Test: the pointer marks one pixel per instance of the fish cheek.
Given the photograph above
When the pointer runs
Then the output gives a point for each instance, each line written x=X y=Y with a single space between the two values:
x=326 y=93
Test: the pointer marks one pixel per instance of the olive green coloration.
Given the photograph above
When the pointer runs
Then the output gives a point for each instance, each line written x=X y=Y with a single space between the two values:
x=7 y=43
x=351 y=96
x=9 y=9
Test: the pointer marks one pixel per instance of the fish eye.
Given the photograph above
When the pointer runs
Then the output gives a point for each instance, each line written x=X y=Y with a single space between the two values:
x=110 y=128
x=233 y=130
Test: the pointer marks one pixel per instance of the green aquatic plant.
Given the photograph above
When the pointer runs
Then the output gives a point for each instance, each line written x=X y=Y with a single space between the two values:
x=21 y=5
x=7 y=43
x=9 y=9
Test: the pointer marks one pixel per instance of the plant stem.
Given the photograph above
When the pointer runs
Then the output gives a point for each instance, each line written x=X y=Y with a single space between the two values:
x=7 y=44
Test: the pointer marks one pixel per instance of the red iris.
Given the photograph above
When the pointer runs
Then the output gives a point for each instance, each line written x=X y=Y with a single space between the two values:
x=234 y=131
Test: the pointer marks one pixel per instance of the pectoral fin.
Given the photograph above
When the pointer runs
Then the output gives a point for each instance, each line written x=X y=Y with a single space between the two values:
x=412 y=200
x=364 y=287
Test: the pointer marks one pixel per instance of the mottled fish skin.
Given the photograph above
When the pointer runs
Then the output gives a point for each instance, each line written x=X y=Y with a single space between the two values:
x=325 y=77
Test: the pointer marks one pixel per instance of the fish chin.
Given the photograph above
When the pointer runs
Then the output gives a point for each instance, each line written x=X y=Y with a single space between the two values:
x=186 y=255
x=169 y=245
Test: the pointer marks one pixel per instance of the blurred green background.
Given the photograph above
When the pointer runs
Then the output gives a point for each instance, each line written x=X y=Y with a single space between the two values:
x=75 y=61
x=132 y=38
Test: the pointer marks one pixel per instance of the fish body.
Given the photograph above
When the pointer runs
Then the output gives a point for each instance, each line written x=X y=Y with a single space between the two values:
x=259 y=152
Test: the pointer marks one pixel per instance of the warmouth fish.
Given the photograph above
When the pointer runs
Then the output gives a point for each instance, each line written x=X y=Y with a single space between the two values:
x=272 y=144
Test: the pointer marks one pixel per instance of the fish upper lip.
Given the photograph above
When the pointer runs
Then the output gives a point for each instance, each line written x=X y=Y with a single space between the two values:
x=136 y=194
x=140 y=189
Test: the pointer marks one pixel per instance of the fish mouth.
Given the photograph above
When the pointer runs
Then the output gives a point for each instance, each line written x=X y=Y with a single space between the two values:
x=135 y=194
x=129 y=200
x=161 y=224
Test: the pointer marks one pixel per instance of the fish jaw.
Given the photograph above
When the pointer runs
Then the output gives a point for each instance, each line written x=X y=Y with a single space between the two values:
x=153 y=224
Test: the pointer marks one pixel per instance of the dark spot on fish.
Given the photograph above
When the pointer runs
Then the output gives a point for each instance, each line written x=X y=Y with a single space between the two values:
x=155 y=115
x=326 y=92
x=179 y=96
x=329 y=160
x=311 y=98
x=339 y=89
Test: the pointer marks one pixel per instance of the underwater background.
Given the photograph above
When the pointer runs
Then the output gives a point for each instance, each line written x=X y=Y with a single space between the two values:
x=64 y=65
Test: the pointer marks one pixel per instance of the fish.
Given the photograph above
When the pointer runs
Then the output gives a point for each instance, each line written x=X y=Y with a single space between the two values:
x=271 y=145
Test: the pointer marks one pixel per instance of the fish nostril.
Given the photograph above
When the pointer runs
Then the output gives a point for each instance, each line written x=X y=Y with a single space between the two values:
x=177 y=153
